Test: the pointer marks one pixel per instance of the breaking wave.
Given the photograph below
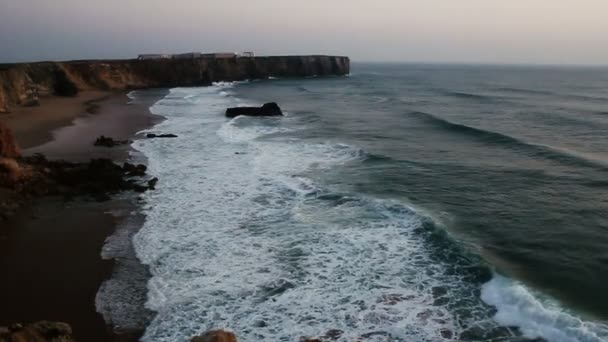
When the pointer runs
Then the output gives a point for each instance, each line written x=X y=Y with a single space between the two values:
x=243 y=233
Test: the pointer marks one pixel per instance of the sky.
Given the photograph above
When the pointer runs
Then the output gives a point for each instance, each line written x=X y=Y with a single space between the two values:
x=432 y=31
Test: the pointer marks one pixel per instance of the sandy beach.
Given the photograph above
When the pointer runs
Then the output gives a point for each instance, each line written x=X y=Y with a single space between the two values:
x=50 y=250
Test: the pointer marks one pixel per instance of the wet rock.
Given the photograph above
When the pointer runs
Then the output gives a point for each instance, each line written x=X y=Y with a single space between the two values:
x=260 y=323
x=268 y=109
x=97 y=178
x=43 y=331
x=215 y=336
x=152 y=183
x=333 y=334
x=447 y=334
x=135 y=170
x=278 y=287
x=152 y=136
x=109 y=142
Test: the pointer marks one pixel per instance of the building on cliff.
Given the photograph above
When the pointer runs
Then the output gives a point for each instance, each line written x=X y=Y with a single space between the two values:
x=219 y=55
x=189 y=55
x=153 y=56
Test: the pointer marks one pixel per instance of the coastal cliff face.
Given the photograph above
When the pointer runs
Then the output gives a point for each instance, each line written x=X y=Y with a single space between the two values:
x=8 y=144
x=23 y=84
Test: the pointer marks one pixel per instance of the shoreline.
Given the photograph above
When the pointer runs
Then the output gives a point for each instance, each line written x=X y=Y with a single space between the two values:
x=51 y=249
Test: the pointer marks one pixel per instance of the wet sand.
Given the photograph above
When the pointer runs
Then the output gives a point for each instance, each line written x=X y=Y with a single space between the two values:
x=50 y=251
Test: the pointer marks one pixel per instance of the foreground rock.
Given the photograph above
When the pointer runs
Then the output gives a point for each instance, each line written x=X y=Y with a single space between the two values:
x=268 y=109
x=97 y=178
x=215 y=336
x=25 y=178
x=37 y=332
x=109 y=142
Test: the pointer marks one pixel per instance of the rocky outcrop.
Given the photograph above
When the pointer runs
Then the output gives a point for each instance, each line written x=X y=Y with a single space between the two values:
x=8 y=144
x=109 y=142
x=37 y=332
x=23 y=84
x=215 y=336
x=268 y=109
x=25 y=178
x=164 y=135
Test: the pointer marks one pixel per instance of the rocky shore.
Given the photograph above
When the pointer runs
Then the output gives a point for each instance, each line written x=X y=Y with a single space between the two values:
x=75 y=133
x=57 y=208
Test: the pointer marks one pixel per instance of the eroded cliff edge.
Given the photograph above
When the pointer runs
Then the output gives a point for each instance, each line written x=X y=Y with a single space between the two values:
x=22 y=84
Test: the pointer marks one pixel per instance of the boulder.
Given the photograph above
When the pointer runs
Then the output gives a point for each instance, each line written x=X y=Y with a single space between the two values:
x=215 y=336
x=268 y=109
x=109 y=142
x=8 y=144
x=152 y=136
x=135 y=170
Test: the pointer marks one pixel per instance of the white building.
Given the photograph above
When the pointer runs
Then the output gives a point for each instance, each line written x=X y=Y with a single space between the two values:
x=247 y=54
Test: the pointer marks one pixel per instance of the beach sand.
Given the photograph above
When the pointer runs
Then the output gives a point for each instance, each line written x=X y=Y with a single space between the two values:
x=50 y=251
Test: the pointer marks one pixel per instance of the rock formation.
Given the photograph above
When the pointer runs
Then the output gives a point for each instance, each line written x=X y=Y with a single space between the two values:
x=23 y=84
x=109 y=142
x=152 y=136
x=8 y=144
x=37 y=332
x=22 y=178
x=268 y=109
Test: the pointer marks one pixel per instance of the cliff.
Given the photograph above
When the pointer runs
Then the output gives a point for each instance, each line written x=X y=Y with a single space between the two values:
x=22 y=84
x=8 y=144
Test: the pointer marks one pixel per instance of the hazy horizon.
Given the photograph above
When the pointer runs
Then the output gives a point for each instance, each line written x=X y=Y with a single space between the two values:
x=433 y=31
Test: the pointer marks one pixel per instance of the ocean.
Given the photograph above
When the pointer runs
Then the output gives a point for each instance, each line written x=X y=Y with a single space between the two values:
x=401 y=203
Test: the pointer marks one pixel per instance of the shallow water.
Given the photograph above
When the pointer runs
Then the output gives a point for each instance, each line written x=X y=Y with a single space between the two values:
x=385 y=205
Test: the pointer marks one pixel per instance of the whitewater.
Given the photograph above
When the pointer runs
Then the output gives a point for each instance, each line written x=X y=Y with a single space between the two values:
x=255 y=229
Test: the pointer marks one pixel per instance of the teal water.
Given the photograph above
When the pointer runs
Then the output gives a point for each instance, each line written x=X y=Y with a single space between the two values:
x=404 y=202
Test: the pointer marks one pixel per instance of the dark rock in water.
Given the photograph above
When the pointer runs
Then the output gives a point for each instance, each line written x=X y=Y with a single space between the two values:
x=215 y=336
x=152 y=136
x=268 y=109
x=333 y=334
x=152 y=183
x=37 y=332
x=134 y=170
x=260 y=323
x=109 y=142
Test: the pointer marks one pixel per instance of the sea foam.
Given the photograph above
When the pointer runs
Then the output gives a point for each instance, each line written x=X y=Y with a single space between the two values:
x=537 y=315
x=243 y=233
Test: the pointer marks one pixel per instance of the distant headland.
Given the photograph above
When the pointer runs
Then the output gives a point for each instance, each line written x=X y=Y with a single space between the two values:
x=22 y=84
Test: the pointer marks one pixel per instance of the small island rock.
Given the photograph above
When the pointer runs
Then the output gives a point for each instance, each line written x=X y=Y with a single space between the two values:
x=268 y=109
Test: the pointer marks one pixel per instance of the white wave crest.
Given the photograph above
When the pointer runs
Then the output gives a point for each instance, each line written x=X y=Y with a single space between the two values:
x=518 y=306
